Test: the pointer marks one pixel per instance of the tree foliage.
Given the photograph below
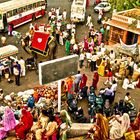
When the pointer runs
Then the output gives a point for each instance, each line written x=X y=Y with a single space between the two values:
x=121 y=5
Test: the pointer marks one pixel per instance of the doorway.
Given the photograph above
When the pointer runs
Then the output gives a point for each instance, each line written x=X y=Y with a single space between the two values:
x=131 y=38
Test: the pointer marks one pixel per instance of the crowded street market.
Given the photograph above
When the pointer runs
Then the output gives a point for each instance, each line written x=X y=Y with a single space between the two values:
x=69 y=70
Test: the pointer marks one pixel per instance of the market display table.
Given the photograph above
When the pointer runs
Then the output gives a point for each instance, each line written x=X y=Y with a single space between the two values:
x=8 y=51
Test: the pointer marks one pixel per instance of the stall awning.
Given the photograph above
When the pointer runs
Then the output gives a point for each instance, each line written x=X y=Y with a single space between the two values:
x=8 y=50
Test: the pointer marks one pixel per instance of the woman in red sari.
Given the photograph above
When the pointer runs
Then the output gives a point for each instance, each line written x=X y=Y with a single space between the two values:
x=24 y=125
x=95 y=79
x=87 y=3
x=83 y=81
x=138 y=85
x=86 y=44
x=136 y=127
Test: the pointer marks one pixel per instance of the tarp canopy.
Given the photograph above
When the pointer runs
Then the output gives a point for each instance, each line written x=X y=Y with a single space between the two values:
x=133 y=49
x=39 y=42
x=8 y=50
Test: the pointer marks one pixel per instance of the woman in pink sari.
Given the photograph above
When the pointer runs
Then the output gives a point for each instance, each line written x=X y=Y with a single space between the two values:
x=100 y=38
x=8 y=123
x=86 y=44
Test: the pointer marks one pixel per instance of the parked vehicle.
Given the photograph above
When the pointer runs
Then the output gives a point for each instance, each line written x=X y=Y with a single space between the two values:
x=19 y=12
x=31 y=63
x=78 y=10
x=105 y=6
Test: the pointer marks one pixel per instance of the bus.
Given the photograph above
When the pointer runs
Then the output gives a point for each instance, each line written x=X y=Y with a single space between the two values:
x=78 y=10
x=19 y=12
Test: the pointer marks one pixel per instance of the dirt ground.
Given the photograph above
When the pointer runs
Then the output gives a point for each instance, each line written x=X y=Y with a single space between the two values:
x=31 y=79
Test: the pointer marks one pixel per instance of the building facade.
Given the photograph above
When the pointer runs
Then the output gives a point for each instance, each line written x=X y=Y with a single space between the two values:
x=125 y=25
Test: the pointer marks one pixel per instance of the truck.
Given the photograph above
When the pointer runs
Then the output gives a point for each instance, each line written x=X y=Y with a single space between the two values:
x=78 y=10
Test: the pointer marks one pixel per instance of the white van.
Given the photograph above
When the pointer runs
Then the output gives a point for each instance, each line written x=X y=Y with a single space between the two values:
x=78 y=10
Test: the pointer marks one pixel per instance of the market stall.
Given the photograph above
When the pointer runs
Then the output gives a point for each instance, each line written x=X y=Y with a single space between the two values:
x=8 y=50
x=7 y=58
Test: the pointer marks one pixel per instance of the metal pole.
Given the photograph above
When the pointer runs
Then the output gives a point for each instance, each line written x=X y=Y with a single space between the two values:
x=59 y=95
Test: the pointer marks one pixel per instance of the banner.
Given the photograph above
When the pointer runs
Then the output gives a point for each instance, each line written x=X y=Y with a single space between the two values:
x=129 y=48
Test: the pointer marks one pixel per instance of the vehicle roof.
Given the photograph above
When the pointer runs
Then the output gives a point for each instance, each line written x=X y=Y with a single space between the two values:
x=103 y=3
x=13 y=4
x=79 y=2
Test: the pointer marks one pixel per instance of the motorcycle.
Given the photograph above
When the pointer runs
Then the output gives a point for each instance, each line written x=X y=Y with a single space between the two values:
x=76 y=112
x=31 y=64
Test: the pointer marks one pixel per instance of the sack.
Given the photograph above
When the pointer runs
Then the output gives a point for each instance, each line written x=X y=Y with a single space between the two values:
x=129 y=136
x=6 y=75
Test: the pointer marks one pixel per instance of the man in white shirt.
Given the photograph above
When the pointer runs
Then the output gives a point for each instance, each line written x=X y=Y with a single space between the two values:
x=88 y=20
x=64 y=14
x=81 y=59
x=112 y=55
x=88 y=58
x=22 y=64
x=77 y=80
x=49 y=15
x=17 y=75
x=57 y=12
x=93 y=61
x=3 y=40
x=126 y=84
x=75 y=48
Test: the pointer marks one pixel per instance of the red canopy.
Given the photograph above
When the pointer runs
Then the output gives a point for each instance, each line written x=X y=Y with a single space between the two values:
x=39 y=41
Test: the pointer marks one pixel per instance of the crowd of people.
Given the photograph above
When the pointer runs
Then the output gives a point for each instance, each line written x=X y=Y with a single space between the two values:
x=32 y=118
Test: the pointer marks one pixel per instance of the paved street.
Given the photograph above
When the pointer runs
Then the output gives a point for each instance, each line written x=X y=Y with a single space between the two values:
x=31 y=78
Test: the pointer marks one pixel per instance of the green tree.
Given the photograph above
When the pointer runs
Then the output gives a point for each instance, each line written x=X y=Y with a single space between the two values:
x=121 y=5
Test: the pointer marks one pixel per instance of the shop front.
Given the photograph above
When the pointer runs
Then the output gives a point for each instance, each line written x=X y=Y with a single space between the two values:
x=124 y=25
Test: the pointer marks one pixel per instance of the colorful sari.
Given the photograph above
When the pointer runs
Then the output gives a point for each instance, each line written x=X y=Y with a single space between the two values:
x=9 y=122
x=67 y=47
x=83 y=81
x=24 y=125
x=65 y=125
x=101 y=129
x=95 y=79
x=101 y=68
x=85 y=44
x=138 y=85
x=136 y=126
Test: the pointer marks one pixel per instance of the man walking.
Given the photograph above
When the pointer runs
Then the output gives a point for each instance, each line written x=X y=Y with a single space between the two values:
x=22 y=64
x=17 y=75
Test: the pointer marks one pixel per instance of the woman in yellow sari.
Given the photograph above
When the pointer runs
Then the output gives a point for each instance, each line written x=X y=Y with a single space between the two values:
x=100 y=130
x=101 y=68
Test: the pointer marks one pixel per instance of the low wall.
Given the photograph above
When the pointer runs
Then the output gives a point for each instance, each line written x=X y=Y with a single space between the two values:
x=79 y=129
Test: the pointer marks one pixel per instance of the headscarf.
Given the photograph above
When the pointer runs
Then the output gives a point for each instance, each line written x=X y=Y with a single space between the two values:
x=125 y=124
x=9 y=121
x=65 y=116
x=102 y=123
x=27 y=119
x=118 y=129
x=136 y=124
